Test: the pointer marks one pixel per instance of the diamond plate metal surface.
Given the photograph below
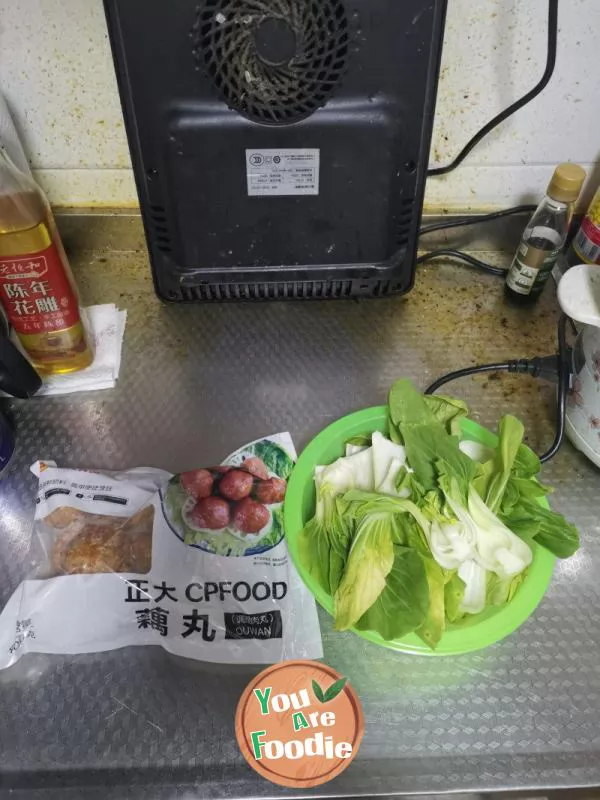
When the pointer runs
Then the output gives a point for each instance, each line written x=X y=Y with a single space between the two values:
x=195 y=383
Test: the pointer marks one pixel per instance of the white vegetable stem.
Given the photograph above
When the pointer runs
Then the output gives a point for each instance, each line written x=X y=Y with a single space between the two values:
x=374 y=468
x=349 y=472
x=476 y=451
x=476 y=544
x=388 y=484
x=384 y=453
x=353 y=449
x=475 y=580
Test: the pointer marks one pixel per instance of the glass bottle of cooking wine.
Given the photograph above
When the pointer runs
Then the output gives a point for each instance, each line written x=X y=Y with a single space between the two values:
x=37 y=289
x=545 y=235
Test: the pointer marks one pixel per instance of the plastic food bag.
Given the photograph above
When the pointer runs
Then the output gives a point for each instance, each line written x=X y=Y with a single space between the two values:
x=196 y=563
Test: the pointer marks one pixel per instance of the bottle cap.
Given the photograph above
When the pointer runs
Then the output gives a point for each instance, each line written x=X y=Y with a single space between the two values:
x=566 y=183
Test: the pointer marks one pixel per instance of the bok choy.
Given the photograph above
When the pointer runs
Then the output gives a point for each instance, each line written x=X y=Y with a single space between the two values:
x=416 y=530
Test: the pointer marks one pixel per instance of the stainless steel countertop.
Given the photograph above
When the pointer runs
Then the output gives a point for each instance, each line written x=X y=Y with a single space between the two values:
x=195 y=383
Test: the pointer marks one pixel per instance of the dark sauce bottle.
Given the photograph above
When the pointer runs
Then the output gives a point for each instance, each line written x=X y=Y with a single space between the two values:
x=544 y=236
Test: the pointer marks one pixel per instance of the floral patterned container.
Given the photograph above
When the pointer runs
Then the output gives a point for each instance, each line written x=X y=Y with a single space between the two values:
x=583 y=411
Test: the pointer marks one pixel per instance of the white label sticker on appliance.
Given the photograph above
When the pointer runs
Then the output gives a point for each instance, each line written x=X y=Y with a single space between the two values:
x=283 y=172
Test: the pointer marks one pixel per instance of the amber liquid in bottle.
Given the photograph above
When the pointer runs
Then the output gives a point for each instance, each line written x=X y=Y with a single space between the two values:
x=51 y=349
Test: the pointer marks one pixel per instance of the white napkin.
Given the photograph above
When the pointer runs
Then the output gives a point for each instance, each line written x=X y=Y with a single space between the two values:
x=107 y=327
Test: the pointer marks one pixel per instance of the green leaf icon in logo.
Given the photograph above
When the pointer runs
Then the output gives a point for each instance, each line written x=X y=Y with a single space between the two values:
x=318 y=692
x=335 y=689
x=331 y=693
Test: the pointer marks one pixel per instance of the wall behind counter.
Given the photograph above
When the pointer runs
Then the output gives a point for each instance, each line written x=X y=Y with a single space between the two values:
x=57 y=74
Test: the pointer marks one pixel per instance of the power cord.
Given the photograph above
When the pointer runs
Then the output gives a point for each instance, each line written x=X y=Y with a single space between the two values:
x=464 y=221
x=554 y=368
x=508 y=112
x=468 y=259
x=564 y=380
x=465 y=257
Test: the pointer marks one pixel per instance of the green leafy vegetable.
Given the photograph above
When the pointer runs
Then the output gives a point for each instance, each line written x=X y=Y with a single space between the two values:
x=414 y=535
x=364 y=503
x=447 y=410
x=429 y=448
x=518 y=488
x=340 y=543
x=550 y=530
x=369 y=562
x=502 y=590
x=406 y=483
x=325 y=541
x=454 y=592
x=315 y=549
x=407 y=406
x=510 y=435
x=527 y=463
x=426 y=439
x=433 y=626
x=402 y=605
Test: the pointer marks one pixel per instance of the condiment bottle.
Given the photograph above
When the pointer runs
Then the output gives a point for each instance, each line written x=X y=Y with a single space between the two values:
x=545 y=235
x=36 y=285
x=585 y=247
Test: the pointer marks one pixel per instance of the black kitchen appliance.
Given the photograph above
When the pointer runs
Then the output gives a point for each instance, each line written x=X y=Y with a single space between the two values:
x=280 y=147
x=17 y=378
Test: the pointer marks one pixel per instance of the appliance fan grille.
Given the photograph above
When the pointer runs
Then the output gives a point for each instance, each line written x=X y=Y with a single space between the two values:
x=274 y=61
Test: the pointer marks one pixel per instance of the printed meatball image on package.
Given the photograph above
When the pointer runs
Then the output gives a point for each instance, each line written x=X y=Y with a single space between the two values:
x=196 y=563
x=234 y=509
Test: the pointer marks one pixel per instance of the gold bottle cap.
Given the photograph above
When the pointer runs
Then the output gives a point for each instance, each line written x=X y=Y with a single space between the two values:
x=566 y=183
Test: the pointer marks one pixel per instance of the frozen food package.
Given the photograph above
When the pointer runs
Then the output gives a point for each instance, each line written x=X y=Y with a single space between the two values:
x=196 y=563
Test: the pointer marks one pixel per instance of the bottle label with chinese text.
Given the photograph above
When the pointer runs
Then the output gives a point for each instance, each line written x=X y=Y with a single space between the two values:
x=36 y=293
x=531 y=266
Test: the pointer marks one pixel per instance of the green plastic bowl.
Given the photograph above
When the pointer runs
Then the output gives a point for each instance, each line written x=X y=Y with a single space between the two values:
x=483 y=629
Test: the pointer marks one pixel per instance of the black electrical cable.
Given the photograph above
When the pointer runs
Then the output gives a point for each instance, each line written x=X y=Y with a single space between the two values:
x=508 y=112
x=503 y=366
x=564 y=377
x=459 y=223
x=550 y=367
x=458 y=254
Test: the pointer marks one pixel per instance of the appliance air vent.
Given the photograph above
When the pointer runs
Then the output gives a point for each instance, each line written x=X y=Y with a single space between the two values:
x=274 y=61
x=311 y=290
x=404 y=221
x=160 y=230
